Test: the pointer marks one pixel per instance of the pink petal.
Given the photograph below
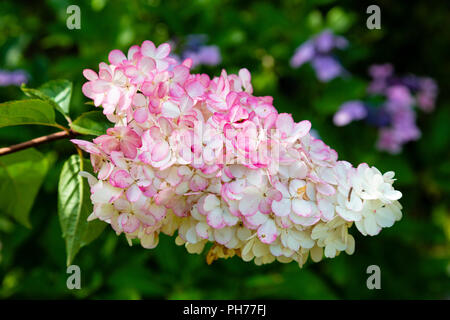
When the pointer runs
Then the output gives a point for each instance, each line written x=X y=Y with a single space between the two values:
x=160 y=151
x=90 y=74
x=159 y=212
x=214 y=218
x=195 y=89
x=128 y=149
x=285 y=124
x=141 y=115
x=116 y=57
x=132 y=137
x=302 y=128
x=202 y=230
x=120 y=179
x=148 y=48
x=146 y=65
x=162 y=51
x=133 y=193
x=129 y=222
x=268 y=232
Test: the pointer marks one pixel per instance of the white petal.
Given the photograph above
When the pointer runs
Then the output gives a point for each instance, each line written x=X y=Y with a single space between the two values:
x=301 y=207
x=282 y=208
x=211 y=202
x=224 y=235
x=371 y=226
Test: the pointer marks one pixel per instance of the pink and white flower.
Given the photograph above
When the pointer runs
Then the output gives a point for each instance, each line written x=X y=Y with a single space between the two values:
x=206 y=158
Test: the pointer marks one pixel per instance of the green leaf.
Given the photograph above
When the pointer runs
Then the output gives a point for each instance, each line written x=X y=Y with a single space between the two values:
x=92 y=122
x=56 y=92
x=33 y=111
x=74 y=207
x=21 y=176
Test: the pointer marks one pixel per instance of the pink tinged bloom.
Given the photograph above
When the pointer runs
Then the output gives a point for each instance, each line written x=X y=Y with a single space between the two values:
x=141 y=113
x=268 y=232
x=121 y=179
x=128 y=223
x=203 y=230
x=159 y=54
x=290 y=130
x=215 y=219
x=156 y=147
x=116 y=57
x=120 y=139
x=142 y=71
x=258 y=199
x=246 y=78
x=195 y=88
x=158 y=212
x=87 y=146
x=89 y=74
x=198 y=183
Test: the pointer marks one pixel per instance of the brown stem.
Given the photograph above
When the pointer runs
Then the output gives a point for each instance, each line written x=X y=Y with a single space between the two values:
x=37 y=141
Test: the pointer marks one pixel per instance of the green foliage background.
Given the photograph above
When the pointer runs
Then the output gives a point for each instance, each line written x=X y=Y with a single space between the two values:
x=261 y=35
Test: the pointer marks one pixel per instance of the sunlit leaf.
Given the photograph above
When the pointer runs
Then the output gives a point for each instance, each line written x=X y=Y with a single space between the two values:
x=57 y=92
x=74 y=207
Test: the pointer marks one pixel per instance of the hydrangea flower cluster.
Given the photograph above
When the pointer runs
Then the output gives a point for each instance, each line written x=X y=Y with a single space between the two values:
x=318 y=51
x=209 y=160
x=396 y=117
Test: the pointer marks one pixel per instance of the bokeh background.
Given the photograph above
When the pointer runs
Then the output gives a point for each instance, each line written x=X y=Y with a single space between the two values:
x=262 y=36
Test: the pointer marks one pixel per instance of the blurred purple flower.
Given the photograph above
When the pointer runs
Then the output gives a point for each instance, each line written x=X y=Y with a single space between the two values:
x=350 y=111
x=395 y=117
x=318 y=51
x=387 y=142
x=327 y=68
x=206 y=55
x=200 y=53
x=427 y=94
x=303 y=54
x=13 y=78
x=326 y=41
x=400 y=97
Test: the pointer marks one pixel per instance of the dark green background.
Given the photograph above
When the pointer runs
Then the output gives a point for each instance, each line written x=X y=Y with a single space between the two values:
x=260 y=35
